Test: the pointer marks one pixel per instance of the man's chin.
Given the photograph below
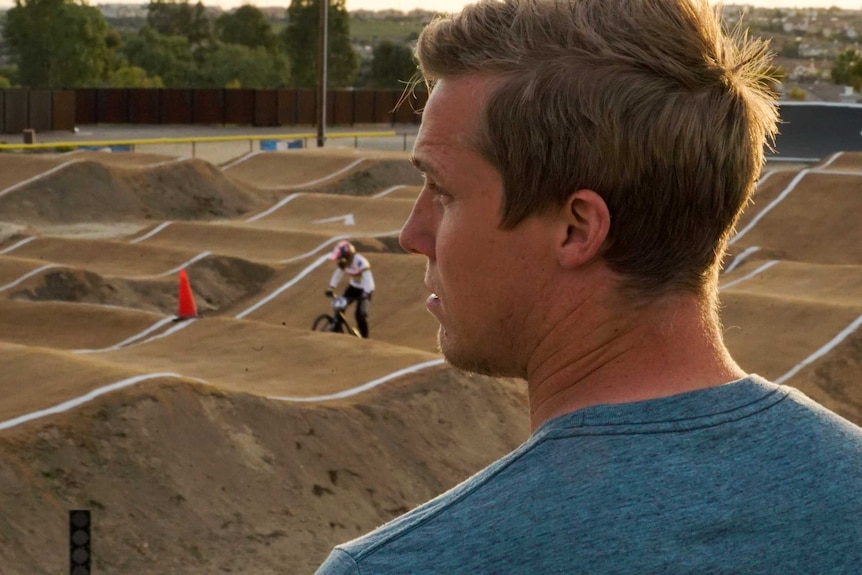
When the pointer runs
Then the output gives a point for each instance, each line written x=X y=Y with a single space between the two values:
x=466 y=359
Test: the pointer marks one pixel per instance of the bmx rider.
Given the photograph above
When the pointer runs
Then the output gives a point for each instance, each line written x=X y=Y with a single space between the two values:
x=361 y=283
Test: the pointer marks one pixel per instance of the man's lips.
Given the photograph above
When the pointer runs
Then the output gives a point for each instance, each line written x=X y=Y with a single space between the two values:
x=433 y=303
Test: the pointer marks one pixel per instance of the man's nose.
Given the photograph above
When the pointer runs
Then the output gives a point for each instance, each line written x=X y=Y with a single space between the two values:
x=417 y=235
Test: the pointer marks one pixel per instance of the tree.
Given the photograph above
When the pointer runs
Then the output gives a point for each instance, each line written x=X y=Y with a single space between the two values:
x=797 y=94
x=57 y=43
x=392 y=65
x=10 y=73
x=248 y=27
x=168 y=57
x=791 y=48
x=237 y=66
x=172 y=18
x=300 y=39
x=847 y=68
x=133 y=77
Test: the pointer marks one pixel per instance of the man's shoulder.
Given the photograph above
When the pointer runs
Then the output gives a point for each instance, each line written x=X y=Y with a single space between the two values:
x=431 y=525
x=762 y=458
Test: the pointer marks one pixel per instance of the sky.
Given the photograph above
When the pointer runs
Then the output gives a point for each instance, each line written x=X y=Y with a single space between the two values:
x=455 y=5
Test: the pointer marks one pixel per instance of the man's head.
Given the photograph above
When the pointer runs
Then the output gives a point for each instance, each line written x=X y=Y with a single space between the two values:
x=646 y=102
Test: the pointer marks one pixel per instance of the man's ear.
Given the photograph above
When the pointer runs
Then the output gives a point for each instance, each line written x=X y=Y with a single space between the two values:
x=586 y=221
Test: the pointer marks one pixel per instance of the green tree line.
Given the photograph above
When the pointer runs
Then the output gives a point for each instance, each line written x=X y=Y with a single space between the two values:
x=62 y=44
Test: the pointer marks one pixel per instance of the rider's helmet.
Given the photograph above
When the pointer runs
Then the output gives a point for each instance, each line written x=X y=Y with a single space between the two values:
x=342 y=253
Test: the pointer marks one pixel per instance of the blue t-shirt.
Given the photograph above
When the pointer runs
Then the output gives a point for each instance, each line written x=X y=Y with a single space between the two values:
x=748 y=477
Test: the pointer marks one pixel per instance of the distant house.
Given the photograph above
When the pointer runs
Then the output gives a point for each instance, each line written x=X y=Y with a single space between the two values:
x=807 y=50
x=796 y=24
x=848 y=95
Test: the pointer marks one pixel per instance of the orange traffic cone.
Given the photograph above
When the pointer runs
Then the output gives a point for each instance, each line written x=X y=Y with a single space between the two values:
x=186 y=307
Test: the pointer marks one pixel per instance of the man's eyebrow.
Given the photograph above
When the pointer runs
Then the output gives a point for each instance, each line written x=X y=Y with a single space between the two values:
x=421 y=166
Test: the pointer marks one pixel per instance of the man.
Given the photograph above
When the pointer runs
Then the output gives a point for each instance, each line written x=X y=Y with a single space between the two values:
x=585 y=163
x=360 y=287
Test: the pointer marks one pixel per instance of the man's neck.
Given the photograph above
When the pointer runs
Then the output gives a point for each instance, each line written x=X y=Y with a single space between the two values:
x=603 y=357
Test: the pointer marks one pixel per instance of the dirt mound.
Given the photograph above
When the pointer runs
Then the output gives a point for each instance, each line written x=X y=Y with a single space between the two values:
x=90 y=191
x=217 y=282
x=835 y=381
x=236 y=483
x=11 y=233
x=382 y=244
x=376 y=178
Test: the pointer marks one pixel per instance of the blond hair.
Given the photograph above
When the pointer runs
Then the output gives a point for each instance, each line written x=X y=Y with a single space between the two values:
x=647 y=102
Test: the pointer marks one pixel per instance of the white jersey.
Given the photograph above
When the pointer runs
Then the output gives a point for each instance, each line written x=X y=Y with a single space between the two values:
x=359 y=271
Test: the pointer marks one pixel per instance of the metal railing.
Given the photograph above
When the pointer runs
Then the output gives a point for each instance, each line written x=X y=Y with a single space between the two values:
x=218 y=149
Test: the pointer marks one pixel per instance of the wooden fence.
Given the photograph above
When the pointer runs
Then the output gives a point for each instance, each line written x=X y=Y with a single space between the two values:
x=47 y=110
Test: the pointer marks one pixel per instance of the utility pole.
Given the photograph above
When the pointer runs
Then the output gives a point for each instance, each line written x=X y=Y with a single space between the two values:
x=321 y=68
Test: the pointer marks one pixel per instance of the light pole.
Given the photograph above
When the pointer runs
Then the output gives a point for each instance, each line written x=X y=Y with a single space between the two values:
x=321 y=68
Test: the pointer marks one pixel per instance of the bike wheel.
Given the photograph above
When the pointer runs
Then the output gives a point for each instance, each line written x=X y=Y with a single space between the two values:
x=323 y=322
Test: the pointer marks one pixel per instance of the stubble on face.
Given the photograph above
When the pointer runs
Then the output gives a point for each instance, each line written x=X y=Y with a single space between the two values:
x=466 y=358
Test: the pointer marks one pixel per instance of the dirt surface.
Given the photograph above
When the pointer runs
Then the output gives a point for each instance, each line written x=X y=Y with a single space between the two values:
x=242 y=442
x=92 y=191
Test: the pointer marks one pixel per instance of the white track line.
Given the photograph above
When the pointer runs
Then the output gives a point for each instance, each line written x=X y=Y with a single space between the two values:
x=388 y=191
x=131 y=339
x=38 y=177
x=832 y=159
x=176 y=160
x=740 y=258
x=303 y=185
x=759 y=270
x=18 y=245
x=151 y=233
x=293 y=196
x=764 y=177
x=822 y=351
x=315 y=250
x=316 y=264
x=333 y=240
x=364 y=387
x=835 y=172
x=771 y=205
x=180 y=326
x=78 y=401
x=183 y=265
x=277 y=206
x=240 y=160
x=14 y=187
x=329 y=177
x=26 y=276
x=784 y=193
x=317 y=181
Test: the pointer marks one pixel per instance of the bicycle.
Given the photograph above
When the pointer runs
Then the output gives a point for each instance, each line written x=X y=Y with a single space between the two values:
x=337 y=322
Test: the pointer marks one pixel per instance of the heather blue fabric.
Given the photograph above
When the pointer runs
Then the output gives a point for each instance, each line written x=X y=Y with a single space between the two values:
x=748 y=477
